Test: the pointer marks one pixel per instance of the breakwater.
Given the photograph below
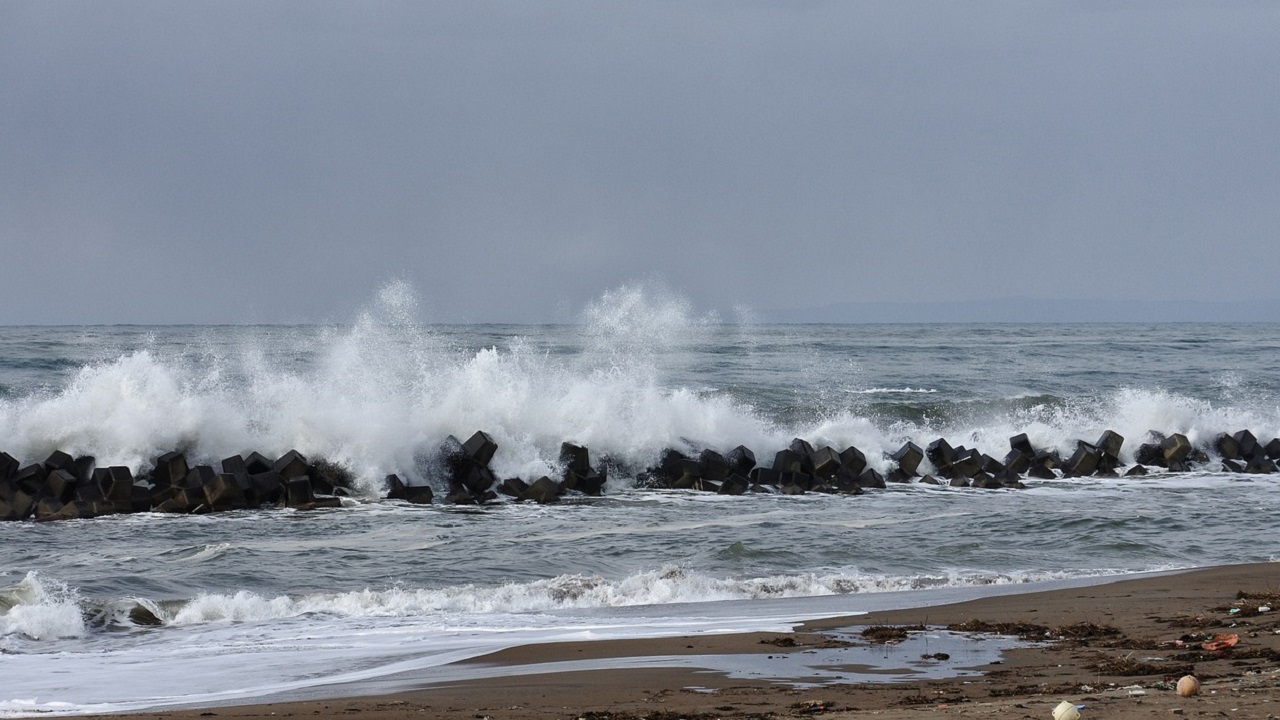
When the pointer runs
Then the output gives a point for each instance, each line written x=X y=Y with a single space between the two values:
x=63 y=487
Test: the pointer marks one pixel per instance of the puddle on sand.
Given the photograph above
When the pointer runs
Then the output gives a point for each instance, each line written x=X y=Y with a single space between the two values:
x=924 y=655
x=931 y=654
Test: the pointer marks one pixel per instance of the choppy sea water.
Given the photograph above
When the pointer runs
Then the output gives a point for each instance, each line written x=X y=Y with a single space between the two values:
x=263 y=602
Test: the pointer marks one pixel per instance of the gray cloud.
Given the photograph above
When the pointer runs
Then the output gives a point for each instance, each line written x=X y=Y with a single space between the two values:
x=265 y=162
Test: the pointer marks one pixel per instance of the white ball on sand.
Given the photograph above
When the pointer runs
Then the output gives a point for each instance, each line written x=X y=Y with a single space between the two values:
x=1188 y=686
x=1066 y=710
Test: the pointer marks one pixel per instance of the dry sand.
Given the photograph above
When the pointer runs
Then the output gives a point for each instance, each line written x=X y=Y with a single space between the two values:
x=1112 y=648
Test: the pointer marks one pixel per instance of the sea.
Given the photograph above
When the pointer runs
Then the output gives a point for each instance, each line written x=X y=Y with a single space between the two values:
x=144 y=611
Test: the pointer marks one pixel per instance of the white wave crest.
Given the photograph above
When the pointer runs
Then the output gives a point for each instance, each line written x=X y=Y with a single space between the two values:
x=666 y=585
x=380 y=395
x=39 y=609
x=1132 y=412
x=892 y=391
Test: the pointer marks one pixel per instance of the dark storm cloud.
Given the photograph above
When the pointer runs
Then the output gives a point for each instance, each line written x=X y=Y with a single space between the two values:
x=247 y=162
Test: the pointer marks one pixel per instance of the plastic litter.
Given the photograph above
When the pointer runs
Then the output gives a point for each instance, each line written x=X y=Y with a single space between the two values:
x=1221 y=641
x=1066 y=710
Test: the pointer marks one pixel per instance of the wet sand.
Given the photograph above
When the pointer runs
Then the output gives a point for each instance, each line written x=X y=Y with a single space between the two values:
x=1113 y=648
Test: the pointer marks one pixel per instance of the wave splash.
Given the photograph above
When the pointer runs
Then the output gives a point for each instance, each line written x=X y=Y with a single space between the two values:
x=1059 y=423
x=379 y=395
x=40 y=609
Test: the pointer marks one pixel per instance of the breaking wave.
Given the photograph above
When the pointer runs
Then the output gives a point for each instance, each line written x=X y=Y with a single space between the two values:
x=39 y=608
x=893 y=391
x=380 y=394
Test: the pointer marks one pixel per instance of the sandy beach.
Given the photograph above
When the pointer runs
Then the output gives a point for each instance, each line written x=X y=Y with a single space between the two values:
x=1114 y=649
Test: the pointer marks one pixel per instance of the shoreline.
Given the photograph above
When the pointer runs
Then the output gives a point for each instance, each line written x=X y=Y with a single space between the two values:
x=1136 y=623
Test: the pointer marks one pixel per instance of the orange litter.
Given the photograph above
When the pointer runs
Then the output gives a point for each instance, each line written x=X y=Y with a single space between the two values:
x=1221 y=641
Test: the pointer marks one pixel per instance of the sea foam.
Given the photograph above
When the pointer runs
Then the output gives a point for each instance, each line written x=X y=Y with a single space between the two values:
x=381 y=394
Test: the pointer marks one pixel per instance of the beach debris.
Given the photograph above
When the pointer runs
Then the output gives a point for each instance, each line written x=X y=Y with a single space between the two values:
x=1188 y=686
x=1249 y=604
x=1026 y=631
x=1083 y=634
x=889 y=634
x=780 y=641
x=1066 y=710
x=1221 y=641
x=938 y=699
x=1129 y=666
x=1086 y=631
x=813 y=707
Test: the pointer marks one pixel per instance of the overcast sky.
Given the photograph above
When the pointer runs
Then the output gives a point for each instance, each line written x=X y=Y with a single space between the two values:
x=282 y=161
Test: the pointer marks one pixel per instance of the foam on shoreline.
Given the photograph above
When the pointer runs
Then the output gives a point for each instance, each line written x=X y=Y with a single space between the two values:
x=39 y=609
x=315 y=656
